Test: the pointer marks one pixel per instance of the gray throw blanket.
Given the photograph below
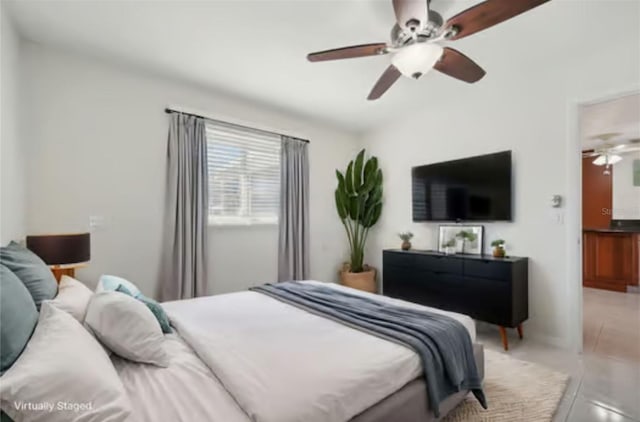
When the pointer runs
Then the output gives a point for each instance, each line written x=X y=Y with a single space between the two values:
x=443 y=344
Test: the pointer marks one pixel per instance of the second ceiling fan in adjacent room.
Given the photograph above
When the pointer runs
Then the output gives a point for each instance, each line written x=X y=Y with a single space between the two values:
x=610 y=152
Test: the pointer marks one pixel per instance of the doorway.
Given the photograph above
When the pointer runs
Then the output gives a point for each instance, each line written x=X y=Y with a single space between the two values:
x=609 y=134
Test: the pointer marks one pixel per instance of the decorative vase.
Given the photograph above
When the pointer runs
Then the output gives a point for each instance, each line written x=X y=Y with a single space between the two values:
x=406 y=245
x=365 y=281
x=499 y=252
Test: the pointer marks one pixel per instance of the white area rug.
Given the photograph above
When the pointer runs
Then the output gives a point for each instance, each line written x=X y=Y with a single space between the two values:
x=515 y=390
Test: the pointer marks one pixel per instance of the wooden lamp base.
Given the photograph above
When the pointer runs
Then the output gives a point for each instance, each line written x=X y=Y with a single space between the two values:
x=68 y=270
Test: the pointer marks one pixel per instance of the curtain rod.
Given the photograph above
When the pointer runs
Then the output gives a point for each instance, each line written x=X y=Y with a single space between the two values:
x=170 y=110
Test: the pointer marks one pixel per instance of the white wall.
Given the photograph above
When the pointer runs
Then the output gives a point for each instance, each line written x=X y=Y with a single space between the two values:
x=522 y=108
x=626 y=197
x=97 y=138
x=12 y=158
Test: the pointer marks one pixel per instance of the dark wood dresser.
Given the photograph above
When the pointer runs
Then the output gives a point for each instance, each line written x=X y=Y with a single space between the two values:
x=489 y=289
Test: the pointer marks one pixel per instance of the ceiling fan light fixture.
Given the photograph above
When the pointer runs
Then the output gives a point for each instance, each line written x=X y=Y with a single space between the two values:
x=606 y=159
x=417 y=59
x=614 y=159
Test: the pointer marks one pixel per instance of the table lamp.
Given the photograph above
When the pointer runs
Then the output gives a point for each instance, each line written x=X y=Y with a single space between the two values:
x=63 y=253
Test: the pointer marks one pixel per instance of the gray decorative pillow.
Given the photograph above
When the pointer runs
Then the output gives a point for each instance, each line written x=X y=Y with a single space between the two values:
x=31 y=270
x=18 y=317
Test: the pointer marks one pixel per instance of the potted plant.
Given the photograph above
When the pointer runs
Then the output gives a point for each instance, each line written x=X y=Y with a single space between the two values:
x=466 y=235
x=406 y=240
x=359 y=204
x=498 y=248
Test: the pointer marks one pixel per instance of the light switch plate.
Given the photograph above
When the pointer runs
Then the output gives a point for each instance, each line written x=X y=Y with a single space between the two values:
x=95 y=222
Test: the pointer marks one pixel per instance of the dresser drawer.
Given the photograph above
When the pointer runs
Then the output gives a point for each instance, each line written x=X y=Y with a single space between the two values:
x=493 y=270
x=399 y=259
x=488 y=300
x=439 y=264
x=403 y=283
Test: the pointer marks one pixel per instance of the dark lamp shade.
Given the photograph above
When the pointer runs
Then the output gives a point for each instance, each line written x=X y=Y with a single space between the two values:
x=60 y=249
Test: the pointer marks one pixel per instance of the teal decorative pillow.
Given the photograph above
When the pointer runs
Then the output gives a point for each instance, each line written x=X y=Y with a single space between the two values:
x=111 y=283
x=31 y=270
x=18 y=317
x=153 y=306
x=157 y=311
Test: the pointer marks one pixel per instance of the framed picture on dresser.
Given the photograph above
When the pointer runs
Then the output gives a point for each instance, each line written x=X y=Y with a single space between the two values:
x=461 y=239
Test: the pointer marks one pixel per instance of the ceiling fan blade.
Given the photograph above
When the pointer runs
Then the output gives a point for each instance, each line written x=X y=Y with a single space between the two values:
x=411 y=14
x=388 y=78
x=349 y=52
x=488 y=14
x=459 y=66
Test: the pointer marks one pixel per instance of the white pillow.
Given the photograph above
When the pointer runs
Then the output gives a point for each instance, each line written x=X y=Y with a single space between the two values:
x=111 y=283
x=127 y=327
x=73 y=297
x=64 y=367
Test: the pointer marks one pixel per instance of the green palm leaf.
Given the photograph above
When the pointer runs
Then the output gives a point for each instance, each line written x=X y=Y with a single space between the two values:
x=358 y=198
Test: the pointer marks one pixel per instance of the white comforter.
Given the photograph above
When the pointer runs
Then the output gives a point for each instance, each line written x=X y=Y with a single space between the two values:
x=283 y=364
x=186 y=391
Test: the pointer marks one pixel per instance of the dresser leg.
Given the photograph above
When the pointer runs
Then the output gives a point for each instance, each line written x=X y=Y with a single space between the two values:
x=503 y=335
x=520 y=331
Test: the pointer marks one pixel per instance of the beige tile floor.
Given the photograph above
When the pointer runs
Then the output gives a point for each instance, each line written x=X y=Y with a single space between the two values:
x=605 y=379
x=612 y=324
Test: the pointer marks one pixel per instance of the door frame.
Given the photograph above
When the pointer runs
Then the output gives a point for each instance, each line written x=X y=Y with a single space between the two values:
x=574 y=208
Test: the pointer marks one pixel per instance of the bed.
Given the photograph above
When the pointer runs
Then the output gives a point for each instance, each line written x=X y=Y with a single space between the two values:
x=245 y=356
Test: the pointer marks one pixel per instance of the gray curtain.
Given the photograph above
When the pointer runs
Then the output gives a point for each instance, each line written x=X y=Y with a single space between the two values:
x=185 y=256
x=293 y=241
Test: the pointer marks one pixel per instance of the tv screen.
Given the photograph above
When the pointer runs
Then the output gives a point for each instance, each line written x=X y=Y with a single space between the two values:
x=471 y=189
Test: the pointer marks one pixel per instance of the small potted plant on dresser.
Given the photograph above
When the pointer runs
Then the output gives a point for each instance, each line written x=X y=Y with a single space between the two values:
x=406 y=240
x=498 y=248
x=359 y=204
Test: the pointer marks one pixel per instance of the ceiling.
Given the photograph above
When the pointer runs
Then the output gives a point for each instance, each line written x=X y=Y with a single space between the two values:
x=256 y=49
x=620 y=116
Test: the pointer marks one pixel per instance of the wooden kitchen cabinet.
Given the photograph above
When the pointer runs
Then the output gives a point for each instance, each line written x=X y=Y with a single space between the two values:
x=610 y=259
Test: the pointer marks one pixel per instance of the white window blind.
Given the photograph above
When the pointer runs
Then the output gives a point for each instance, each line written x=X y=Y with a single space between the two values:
x=244 y=175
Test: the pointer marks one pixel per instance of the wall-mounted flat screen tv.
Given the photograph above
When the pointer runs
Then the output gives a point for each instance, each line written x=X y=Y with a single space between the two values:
x=470 y=189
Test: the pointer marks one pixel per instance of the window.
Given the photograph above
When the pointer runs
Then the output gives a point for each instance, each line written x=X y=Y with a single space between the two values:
x=244 y=175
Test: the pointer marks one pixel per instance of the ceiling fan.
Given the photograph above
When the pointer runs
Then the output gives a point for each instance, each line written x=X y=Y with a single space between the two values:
x=416 y=38
x=609 y=153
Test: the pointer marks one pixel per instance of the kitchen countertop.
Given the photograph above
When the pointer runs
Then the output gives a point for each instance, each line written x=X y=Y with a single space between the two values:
x=630 y=230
